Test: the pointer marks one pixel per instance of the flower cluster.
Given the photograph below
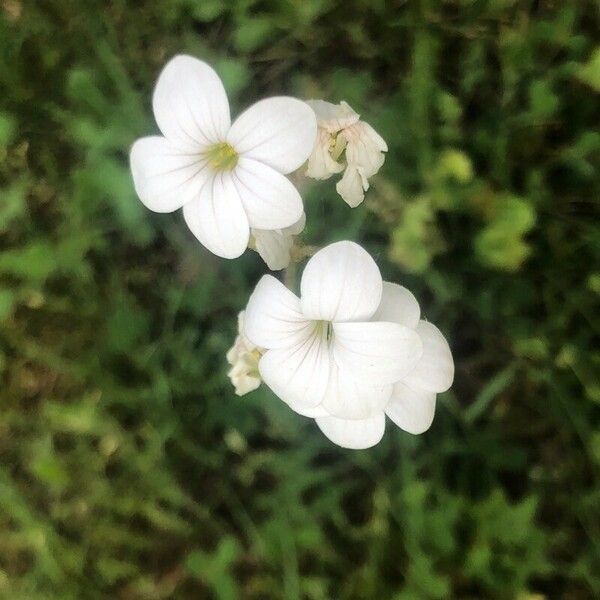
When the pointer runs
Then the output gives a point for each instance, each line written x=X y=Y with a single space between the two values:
x=340 y=131
x=351 y=348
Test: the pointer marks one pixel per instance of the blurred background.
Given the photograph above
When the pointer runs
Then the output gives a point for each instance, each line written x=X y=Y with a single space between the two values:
x=128 y=467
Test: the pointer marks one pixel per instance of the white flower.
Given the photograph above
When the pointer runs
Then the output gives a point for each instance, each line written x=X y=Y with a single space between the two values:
x=228 y=178
x=341 y=130
x=275 y=246
x=349 y=348
x=243 y=357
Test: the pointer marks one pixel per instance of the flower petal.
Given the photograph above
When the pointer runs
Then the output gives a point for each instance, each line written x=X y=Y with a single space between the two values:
x=320 y=162
x=273 y=246
x=217 y=218
x=279 y=132
x=351 y=398
x=165 y=177
x=364 y=148
x=242 y=381
x=412 y=410
x=333 y=117
x=379 y=353
x=298 y=227
x=312 y=411
x=352 y=186
x=341 y=282
x=398 y=305
x=298 y=374
x=435 y=371
x=190 y=104
x=271 y=201
x=355 y=434
x=273 y=318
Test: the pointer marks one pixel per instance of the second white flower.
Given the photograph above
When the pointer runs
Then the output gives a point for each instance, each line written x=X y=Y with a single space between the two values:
x=350 y=349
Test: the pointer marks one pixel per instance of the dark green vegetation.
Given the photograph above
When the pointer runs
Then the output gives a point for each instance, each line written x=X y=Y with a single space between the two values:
x=128 y=468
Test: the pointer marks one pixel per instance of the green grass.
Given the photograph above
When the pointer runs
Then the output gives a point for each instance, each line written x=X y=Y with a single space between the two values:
x=129 y=469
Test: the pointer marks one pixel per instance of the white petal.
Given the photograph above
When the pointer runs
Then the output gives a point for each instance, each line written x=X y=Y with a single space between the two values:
x=278 y=131
x=274 y=246
x=298 y=374
x=355 y=434
x=381 y=353
x=350 y=398
x=273 y=318
x=364 y=148
x=242 y=381
x=298 y=227
x=271 y=201
x=310 y=411
x=217 y=218
x=320 y=162
x=352 y=186
x=333 y=117
x=165 y=177
x=190 y=104
x=412 y=410
x=435 y=371
x=341 y=282
x=398 y=305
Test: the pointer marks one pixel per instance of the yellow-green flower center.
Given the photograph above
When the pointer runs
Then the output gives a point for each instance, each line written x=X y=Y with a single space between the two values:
x=222 y=157
x=324 y=328
x=337 y=144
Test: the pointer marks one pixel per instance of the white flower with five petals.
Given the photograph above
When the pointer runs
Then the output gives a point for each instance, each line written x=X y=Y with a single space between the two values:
x=340 y=130
x=350 y=349
x=228 y=178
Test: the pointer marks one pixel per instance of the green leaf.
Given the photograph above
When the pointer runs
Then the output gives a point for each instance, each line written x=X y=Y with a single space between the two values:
x=590 y=72
x=207 y=10
x=7 y=302
x=13 y=204
x=215 y=568
x=490 y=391
x=8 y=128
x=34 y=262
x=500 y=244
x=543 y=102
x=235 y=74
x=415 y=239
x=456 y=165
x=253 y=33
x=126 y=325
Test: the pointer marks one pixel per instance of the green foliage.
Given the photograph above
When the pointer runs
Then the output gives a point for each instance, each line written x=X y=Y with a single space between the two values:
x=590 y=72
x=129 y=469
x=500 y=244
x=214 y=567
x=415 y=240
